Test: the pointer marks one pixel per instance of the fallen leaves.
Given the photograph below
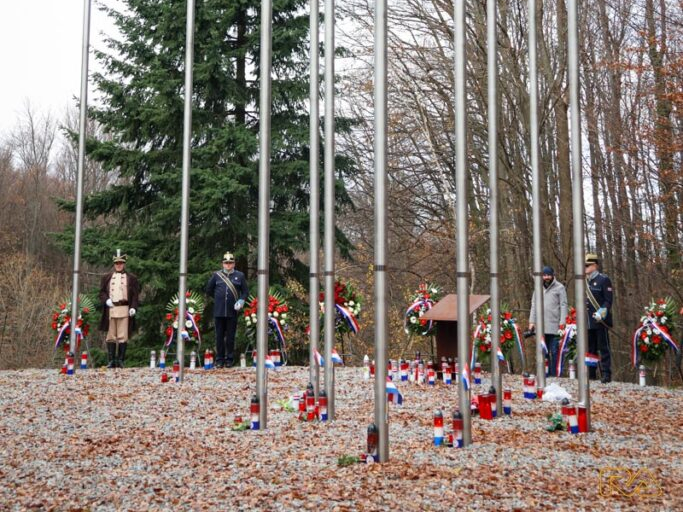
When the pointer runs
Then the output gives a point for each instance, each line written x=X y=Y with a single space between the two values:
x=122 y=440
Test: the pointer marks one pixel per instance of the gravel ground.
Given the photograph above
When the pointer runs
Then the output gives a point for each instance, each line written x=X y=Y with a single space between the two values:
x=122 y=440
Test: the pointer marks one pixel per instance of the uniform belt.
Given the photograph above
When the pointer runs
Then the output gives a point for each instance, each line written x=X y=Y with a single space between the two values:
x=121 y=303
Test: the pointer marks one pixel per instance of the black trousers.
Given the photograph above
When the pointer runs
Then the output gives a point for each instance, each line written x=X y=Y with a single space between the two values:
x=598 y=341
x=226 y=327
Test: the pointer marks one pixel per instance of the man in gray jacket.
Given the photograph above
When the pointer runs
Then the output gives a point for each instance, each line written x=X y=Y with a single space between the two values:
x=554 y=313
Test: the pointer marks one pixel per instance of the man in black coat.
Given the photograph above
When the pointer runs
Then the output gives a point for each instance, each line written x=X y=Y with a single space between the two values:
x=119 y=296
x=229 y=290
x=599 y=298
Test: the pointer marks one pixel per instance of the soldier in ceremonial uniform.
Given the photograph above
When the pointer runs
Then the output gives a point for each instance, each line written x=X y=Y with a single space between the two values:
x=229 y=290
x=599 y=298
x=119 y=296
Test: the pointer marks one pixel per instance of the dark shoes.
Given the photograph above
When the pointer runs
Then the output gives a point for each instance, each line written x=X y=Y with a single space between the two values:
x=606 y=380
x=122 y=354
x=220 y=364
x=111 y=355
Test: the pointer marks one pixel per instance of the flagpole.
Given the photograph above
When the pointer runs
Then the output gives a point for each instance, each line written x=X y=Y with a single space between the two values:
x=536 y=198
x=381 y=331
x=577 y=204
x=263 y=209
x=314 y=171
x=82 y=127
x=185 y=205
x=329 y=206
x=462 y=262
x=492 y=60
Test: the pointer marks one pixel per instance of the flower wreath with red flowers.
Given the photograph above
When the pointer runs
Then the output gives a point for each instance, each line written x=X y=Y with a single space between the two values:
x=278 y=317
x=421 y=301
x=654 y=335
x=194 y=307
x=348 y=305
x=61 y=321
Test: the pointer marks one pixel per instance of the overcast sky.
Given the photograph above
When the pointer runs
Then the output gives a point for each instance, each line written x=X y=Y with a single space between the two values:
x=40 y=55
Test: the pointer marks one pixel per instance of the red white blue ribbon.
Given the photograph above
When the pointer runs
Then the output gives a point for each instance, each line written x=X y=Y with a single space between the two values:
x=194 y=326
x=501 y=356
x=348 y=318
x=473 y=348
x=652 y=324
x=466 y=377
x=518 y=341
x=568 y=333
x=417 y=306
x=61 y=333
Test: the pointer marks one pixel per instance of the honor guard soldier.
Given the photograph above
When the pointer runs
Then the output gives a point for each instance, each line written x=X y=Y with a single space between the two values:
x=599 y=299
x=229 y=290
x=119 y=296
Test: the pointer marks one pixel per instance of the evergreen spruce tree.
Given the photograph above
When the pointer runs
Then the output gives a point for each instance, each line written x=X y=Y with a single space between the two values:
x=141 y=94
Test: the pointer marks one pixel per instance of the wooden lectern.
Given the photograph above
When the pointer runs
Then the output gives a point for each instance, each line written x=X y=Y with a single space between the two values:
x=445 y=313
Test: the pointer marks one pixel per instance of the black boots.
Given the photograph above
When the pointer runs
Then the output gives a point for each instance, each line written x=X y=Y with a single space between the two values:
x=111 y=352
x=122 y=354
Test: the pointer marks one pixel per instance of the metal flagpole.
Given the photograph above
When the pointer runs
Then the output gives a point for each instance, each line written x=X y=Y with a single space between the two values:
x=185 y=206
x=329 y=205
x=79 y=179
x=462 y=262
x=492 y=58
x=263 y=210
x=314 y=234
x=381 y=332
x=577 y=204
x=536 y=197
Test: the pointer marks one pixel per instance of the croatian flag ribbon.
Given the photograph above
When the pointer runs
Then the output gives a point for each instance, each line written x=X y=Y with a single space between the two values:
x=473 y=350
x=591 y=360
x=518 y=341
x=336 y=358
x=195 y=327
x=60 y=334
x=501 y=356
x=393 y=394
x=277 y=328
x=268 y=362
x=349 y=318
x=544 y=347
x=319 y=359
x=466 y=377
x=568 y=333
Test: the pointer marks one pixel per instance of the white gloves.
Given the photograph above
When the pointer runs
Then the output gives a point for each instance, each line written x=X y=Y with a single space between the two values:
x=239 y=304
x=600 y=314
x=109 y=303
x=131 y=312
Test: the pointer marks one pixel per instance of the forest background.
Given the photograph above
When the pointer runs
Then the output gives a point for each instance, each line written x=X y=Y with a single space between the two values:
x=632 y=145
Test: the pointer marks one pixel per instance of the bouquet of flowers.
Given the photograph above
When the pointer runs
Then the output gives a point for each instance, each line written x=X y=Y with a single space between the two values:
x=194 y=307
x=61 y=320
x=348 y=305
x=421 y=301
x=278 y=321
x=653 y=336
